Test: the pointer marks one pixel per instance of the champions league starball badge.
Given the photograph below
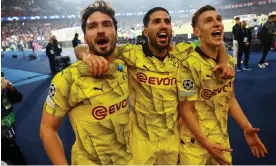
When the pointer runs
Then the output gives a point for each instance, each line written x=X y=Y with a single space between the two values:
x=52 y=90
x=188 y=84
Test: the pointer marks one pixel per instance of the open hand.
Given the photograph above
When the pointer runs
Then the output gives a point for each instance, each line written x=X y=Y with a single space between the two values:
x=216 y=151
x=257 y=147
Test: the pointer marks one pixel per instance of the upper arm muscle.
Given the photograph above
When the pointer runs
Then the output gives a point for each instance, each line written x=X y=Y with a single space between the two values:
x=50 y=121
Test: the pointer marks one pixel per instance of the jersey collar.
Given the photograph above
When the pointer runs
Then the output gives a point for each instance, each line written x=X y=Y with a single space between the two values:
x=149 y=53
x=201 y=53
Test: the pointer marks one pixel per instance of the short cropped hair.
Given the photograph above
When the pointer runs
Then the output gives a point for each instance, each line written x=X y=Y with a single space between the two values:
x=199 y=12
x=98 y=6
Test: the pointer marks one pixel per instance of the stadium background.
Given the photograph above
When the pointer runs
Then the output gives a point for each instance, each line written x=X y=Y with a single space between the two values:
x=33 y=22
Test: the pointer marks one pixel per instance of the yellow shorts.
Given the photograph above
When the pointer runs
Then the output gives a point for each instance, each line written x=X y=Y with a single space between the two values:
x=145 y=152
x=191 y=152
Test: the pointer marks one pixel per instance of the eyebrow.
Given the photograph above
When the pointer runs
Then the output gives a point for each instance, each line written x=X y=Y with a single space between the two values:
x=218 y=16
x=103 y=21
x=161 y=18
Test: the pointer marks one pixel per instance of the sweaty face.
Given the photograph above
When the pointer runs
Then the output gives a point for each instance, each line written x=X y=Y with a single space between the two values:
x=209 y=28
x=100 y=34
x=159 y=30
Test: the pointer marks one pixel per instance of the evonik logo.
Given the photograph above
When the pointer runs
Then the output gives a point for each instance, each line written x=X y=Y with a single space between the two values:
x=100 y=112
x=207 y=93
x=141 y=77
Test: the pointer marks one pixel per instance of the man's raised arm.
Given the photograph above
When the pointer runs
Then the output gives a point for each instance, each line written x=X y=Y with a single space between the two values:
x=81 y=50
x=227 y=71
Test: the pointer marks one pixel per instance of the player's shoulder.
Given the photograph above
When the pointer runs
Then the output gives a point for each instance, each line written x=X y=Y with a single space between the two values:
x=193 y=60
x=183 y=46
x=182 y=50
x=128 y=47
x=194 y=56
x=67 y=75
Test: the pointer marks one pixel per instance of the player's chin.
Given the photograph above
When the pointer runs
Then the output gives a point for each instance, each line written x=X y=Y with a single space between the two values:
x=104 y=53
x=216 y=43
x=103 y=49
x=163 y=45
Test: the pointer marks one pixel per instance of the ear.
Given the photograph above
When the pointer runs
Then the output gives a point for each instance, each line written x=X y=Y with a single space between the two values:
x=146 y=32
x=197 y=32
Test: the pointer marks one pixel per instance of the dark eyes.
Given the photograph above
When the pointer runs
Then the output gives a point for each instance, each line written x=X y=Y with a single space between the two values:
x=94 y=25
x=210 y=20
x=156 y=21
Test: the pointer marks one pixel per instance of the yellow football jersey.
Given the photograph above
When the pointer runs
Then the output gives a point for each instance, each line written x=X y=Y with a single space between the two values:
x=184 y=49
x=98 y=111
x=152 y=87
x=212 y=95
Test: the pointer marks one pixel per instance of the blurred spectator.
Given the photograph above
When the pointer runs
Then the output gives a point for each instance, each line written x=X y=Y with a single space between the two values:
x=50 y=52
x=244 y=37
x=132 y=36
x=76 y=41
x=266 y=36
x=235 y=40
x=57 y=47
x=11 y=152
x=31 y=42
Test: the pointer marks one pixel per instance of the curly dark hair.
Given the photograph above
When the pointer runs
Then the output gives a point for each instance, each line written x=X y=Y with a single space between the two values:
x=199 y=12
x=98 y=6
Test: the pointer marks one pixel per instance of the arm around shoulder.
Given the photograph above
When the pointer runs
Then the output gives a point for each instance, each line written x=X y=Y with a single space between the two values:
x=81 y=50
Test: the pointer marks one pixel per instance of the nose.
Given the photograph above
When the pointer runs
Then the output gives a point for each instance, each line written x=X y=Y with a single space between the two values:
x=163 y=24
x=217 y=23
x=100 y=31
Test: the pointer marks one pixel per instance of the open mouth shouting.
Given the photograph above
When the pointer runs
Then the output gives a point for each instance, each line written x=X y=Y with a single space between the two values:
x=102 y=42
x=162 y=36
x=217 y=34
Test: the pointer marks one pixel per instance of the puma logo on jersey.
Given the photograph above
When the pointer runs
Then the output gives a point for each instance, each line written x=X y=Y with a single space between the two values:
x=101 y=89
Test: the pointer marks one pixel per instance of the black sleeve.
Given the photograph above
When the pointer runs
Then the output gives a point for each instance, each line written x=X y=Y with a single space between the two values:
x=14 y=96
x=233 y=30
x=238 y=36
x=74 y=43
x=263 y=32
x=48 y=50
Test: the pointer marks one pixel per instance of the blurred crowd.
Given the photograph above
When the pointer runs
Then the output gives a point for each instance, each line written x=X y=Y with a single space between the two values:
x=18 y=35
